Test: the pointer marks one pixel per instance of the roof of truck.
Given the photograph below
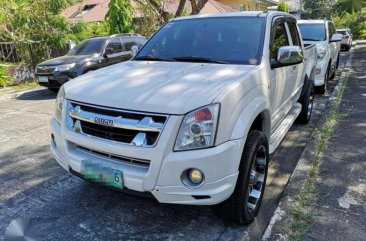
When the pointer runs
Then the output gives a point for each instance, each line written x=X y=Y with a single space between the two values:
x=311 y=21
x=234 y=14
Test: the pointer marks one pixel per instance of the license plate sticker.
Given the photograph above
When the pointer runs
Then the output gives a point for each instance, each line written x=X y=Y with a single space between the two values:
x=97 y=172
x=43 y=79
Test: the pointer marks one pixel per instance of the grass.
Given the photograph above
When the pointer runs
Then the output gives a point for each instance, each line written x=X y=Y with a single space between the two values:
x=302 y=215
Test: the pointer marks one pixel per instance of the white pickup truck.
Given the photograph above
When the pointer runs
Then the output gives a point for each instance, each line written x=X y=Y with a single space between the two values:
x=328 y=43
x=193 y=117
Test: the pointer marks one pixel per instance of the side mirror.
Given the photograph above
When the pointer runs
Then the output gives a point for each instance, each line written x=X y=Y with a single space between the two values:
x=336 y=37
x=134 y=50
x=288 y=55
x=107 y=51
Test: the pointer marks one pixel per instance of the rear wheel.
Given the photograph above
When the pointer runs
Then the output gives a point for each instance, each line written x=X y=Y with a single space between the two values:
x=243 y=205
x=306 y=101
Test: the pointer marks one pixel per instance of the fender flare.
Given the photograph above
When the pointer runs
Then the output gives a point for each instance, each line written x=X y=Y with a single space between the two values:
x=258 y=106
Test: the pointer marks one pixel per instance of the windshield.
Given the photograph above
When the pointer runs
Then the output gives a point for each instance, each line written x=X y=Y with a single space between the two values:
x=313 y=32
x=235 y=40
x=88 y=47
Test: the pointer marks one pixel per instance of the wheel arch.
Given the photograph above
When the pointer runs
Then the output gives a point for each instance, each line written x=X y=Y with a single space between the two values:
x=255 y=116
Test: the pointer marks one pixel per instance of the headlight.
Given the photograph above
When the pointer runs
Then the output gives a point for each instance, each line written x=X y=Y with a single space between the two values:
x=59 y=103
x=64 y=67
x=198 y=129
x=322 y=51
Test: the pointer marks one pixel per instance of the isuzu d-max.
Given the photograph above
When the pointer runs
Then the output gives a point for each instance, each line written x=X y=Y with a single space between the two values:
x=193 y=117
x=328 y=43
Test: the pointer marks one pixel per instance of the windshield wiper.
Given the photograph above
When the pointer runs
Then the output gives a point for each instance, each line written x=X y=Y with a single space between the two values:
x=152 y=58
x=200 y=59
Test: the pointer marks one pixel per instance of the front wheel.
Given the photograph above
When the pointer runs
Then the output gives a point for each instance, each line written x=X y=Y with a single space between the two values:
x=243 y=205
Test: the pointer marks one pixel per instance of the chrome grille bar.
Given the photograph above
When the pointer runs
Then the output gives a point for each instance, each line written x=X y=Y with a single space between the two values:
x=125 y=127
x=146 y=124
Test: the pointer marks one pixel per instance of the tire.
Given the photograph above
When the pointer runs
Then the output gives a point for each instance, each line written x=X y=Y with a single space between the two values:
x=243 y=205
x=336 y=67
x=54 y=89
x=321 y=89
x=306 y=101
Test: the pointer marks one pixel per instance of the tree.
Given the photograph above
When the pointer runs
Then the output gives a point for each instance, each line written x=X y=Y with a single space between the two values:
x=349 y=6
x=159 y=8
x=282 y=6
x=317 y=9
x=119 y=16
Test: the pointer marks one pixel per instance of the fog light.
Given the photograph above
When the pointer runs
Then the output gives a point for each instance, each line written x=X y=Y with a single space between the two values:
x=195 y=176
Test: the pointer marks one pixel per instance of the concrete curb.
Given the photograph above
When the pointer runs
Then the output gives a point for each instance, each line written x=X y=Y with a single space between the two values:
x=17 y=94
x=301 y=172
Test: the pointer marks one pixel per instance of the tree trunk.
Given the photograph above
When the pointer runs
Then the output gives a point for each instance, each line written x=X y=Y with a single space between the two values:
x=197 y=6
x=180 y=8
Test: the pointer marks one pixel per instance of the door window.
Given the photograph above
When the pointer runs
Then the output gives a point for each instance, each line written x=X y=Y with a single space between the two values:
x=279 y=39
x=128 y=43
x=116 y=45
x=294 y=33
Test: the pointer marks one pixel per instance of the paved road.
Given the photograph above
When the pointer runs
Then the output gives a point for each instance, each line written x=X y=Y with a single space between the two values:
x=67 y=208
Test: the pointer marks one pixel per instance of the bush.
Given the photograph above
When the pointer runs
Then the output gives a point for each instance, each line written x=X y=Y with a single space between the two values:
x=282 y=6
x=5 y=77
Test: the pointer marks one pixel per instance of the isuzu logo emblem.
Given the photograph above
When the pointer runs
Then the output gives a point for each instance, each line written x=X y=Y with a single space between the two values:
x=103 y=121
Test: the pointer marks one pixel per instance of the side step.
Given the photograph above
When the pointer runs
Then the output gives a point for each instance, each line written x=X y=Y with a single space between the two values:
x=279 y=133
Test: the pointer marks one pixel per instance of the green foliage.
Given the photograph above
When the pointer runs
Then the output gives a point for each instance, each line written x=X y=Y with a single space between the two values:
x=317 y=9
x=356 y=22
x=119 y=16
x=282 y=6
x=26 y=20
x=349 y=6
x=82 y=30
x=5 y=78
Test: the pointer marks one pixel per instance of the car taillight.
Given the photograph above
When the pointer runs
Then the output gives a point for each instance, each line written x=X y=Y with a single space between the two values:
x=346 y=37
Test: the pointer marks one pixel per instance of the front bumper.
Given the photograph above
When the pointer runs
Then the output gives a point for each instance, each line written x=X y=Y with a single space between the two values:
x=57 y=79
x=163 y=177
x=321 y=69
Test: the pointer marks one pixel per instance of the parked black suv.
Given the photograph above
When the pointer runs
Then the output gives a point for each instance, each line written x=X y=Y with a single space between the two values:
x=90 y=54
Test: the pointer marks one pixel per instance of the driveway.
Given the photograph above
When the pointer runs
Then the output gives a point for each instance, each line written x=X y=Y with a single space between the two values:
x=33 y=185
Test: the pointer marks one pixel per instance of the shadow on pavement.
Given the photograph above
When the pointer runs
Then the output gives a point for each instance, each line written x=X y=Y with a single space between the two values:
x=40 y=94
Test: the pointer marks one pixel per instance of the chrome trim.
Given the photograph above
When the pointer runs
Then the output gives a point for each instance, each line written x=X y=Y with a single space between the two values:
x=146 y=124
x=75 y=114
x=114 y=157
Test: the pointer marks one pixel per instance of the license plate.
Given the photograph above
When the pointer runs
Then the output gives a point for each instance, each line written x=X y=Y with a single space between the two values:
x=97 y=172
x=43 y=79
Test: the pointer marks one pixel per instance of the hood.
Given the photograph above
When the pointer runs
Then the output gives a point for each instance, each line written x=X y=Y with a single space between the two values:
x=159 y=87
x=66 y=59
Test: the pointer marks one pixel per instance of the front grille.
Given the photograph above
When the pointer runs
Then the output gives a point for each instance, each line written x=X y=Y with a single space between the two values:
x=132 y=128
x=45 y=69
x=137 y=162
